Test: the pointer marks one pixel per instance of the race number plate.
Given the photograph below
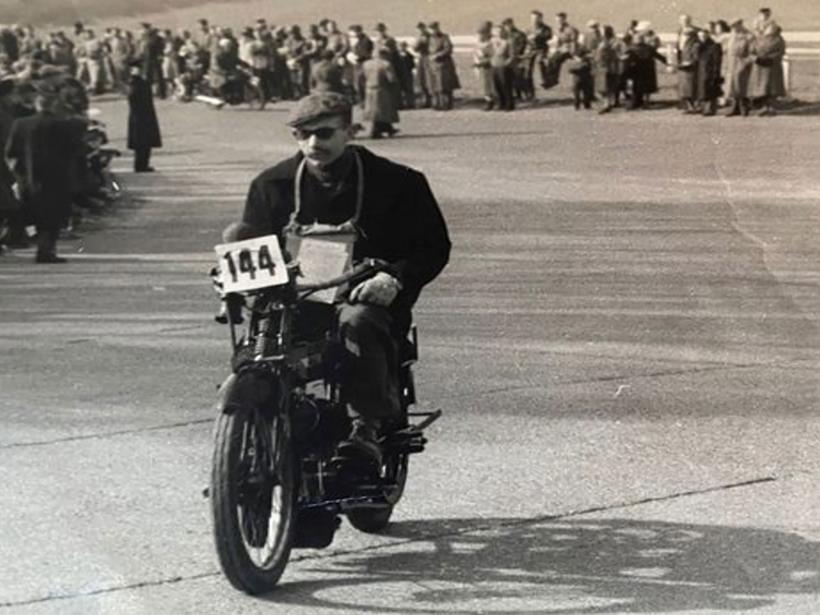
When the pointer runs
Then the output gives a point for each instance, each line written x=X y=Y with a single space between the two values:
x=251 y=264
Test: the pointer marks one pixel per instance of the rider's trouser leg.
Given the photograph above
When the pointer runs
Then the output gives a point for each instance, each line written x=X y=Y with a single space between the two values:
x=370 y=361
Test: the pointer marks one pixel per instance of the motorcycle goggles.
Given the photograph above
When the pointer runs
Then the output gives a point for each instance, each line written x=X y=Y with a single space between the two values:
x=323 y=134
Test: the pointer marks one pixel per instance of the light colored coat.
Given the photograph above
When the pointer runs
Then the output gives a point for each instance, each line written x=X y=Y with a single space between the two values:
x=739 y=63
x=380 y=82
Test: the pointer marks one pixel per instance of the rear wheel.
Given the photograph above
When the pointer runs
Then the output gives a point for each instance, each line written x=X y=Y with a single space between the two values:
x=253 y=495
x=394 y=474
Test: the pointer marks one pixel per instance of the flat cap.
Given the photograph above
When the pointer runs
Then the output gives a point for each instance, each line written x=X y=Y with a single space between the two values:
x=317 y=106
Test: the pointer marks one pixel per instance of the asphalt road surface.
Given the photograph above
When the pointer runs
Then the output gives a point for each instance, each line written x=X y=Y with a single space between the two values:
x=625 y=346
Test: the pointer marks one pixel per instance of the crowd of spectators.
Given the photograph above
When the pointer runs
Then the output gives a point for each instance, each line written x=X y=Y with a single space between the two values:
x=717 y=61
x=722 y=63
x=716 y=64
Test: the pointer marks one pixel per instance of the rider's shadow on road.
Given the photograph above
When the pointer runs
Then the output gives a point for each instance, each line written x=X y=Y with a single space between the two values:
x=564 y=566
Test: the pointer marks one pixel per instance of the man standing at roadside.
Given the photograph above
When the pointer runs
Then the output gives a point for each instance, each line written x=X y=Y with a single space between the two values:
x=739 y=59
x=44 y=153
x=538 y=41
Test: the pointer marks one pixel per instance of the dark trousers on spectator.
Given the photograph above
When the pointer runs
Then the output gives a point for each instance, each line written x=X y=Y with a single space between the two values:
x=47 y=235
x=142 y=159
x=503 y=80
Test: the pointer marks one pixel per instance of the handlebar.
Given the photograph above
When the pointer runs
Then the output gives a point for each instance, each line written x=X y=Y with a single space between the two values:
x=359 y=273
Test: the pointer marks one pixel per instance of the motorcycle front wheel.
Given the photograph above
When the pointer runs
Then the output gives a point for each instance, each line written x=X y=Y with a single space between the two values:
x=253 y=496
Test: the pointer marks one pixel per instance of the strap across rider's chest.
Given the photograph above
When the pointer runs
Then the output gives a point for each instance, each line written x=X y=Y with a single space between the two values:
x=345 y=227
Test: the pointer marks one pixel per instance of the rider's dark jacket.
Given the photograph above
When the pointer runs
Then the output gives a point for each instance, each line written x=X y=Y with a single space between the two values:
x=400 y=220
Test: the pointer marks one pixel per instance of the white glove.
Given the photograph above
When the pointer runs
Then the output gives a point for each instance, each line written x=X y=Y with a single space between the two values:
x=381 y=290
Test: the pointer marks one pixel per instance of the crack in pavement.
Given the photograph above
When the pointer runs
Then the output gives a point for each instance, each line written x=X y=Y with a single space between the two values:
x=490 y=526
x=613 y=378
x=103 y=435
x=629 y=377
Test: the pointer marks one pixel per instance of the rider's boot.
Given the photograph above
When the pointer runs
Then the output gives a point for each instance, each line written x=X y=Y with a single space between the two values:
x=362 y=444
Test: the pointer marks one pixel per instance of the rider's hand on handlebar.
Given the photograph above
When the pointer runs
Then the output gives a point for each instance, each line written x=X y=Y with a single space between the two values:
x=381 y=290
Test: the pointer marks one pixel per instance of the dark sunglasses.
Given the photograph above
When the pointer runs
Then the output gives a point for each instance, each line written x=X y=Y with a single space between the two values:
x=323 y=133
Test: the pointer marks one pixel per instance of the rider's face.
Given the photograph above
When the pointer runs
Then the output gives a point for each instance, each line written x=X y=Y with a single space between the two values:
x=322 y=141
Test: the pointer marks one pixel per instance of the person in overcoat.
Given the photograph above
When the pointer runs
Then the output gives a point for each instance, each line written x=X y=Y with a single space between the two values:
x=44 y=150
x=767 y=81
x=143 y=126
x=739 y=61
x=421 y=47
x=9 y=205
x=640 y=62
x=327 y=75
x=709 y=78
x=380 y=102
x=407 y=63
x=608 y=75
x=383 y=41
x=443 y=77
x=501 y=65
x=361 y=50
x=482 y=57
x=688 y=69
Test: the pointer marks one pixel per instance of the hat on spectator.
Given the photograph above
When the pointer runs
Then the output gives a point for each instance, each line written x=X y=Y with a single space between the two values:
x=736 y=22
x=562 y=15
x=592 y=23
x=380 y=27
x=643 y=26
x=317 y=106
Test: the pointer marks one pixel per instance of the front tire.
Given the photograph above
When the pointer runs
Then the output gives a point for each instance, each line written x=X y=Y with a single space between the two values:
x=253 y=496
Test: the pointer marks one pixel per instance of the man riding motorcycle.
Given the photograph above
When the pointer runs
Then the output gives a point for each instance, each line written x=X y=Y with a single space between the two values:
x=395 y=218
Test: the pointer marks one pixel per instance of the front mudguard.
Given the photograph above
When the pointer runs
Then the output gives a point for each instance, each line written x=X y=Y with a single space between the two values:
x=247 y=390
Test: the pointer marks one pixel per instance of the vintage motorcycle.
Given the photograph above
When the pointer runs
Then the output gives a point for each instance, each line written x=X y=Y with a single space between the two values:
x=277 y=481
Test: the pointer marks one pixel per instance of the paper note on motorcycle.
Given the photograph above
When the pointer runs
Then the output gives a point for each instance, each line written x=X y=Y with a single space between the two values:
x=251 y=264
x=321 y=259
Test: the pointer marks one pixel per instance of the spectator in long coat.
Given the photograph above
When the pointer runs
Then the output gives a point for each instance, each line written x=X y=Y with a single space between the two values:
x=9 y=206
x=443 y=77
x=688 y=69
x=421 y=46
x=739 y=63
x=608 y=75
x=709 y=81
x=44 y=150
x=501 y=62
x=767 y=81
x=361 y=50
x=143 y=126
x=380 y=102
x=327 y=75
x=406 y=65
x=482 y=57
x=641 y=61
